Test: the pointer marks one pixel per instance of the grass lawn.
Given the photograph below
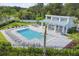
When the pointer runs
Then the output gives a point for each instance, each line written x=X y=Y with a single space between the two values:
x=2 y=38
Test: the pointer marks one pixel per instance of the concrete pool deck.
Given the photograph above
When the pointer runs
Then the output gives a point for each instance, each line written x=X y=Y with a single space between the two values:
x=54 y=40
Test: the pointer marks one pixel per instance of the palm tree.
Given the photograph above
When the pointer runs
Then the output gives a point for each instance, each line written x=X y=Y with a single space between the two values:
x=44 y=50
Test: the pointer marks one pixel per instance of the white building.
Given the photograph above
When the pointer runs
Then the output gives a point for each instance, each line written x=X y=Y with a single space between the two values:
x=77 y=27
x=59 y=23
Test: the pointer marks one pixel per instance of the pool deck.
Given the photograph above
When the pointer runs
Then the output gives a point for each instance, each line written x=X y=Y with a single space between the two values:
x=54 y=40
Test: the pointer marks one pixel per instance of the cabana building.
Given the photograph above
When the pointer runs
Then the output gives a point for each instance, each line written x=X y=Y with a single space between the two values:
x=59 y=24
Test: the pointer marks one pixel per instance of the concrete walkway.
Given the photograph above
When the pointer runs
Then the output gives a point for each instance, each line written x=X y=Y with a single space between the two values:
x=54 y=39
x=57 y=40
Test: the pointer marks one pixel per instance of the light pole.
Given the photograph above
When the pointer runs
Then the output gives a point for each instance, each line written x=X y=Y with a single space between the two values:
x=45 y=33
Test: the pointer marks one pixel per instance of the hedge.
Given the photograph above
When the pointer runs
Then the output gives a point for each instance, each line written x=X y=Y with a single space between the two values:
x=10 y=51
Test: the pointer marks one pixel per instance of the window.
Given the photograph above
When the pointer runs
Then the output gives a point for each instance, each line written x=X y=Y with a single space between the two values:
x=48 y=17
x=63 y=19
x=55 y=19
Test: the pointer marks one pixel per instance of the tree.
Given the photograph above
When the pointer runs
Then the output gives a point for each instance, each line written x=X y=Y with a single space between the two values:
x=24 y=14
x=37 y=10
x=54 y=8
x=68 y=10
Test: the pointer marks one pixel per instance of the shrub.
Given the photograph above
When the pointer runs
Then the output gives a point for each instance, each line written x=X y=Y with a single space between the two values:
x=77 y=46
x=39 y=18
x=9 y=51
x=8 y=22
x=72 y=30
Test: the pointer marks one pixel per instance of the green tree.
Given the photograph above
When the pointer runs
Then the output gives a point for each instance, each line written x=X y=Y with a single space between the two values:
x=68 y=10
x=39 y=18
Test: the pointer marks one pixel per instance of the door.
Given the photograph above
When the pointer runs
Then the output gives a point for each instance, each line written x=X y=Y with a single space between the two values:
x=59 y=29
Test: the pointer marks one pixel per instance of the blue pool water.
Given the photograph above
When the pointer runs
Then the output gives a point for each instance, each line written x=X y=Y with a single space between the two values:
x=30 y=34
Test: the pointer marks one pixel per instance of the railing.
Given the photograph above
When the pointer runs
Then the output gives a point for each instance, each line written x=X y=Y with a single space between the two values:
x=30 y=20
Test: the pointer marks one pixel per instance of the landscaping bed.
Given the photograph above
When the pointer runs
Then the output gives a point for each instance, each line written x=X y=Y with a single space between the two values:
x=15 y=24
x=75 y=38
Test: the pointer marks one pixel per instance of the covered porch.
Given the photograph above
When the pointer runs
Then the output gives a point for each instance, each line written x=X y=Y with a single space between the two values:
x=58 y=28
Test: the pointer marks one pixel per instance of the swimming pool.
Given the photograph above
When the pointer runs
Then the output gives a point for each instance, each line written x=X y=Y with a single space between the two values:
x=31 y=34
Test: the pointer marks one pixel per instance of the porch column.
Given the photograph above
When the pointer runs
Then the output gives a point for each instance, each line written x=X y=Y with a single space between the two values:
x=41 y=24
x=63 y=30
x=59 y=19
x=54 y=28
x=66 y=29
